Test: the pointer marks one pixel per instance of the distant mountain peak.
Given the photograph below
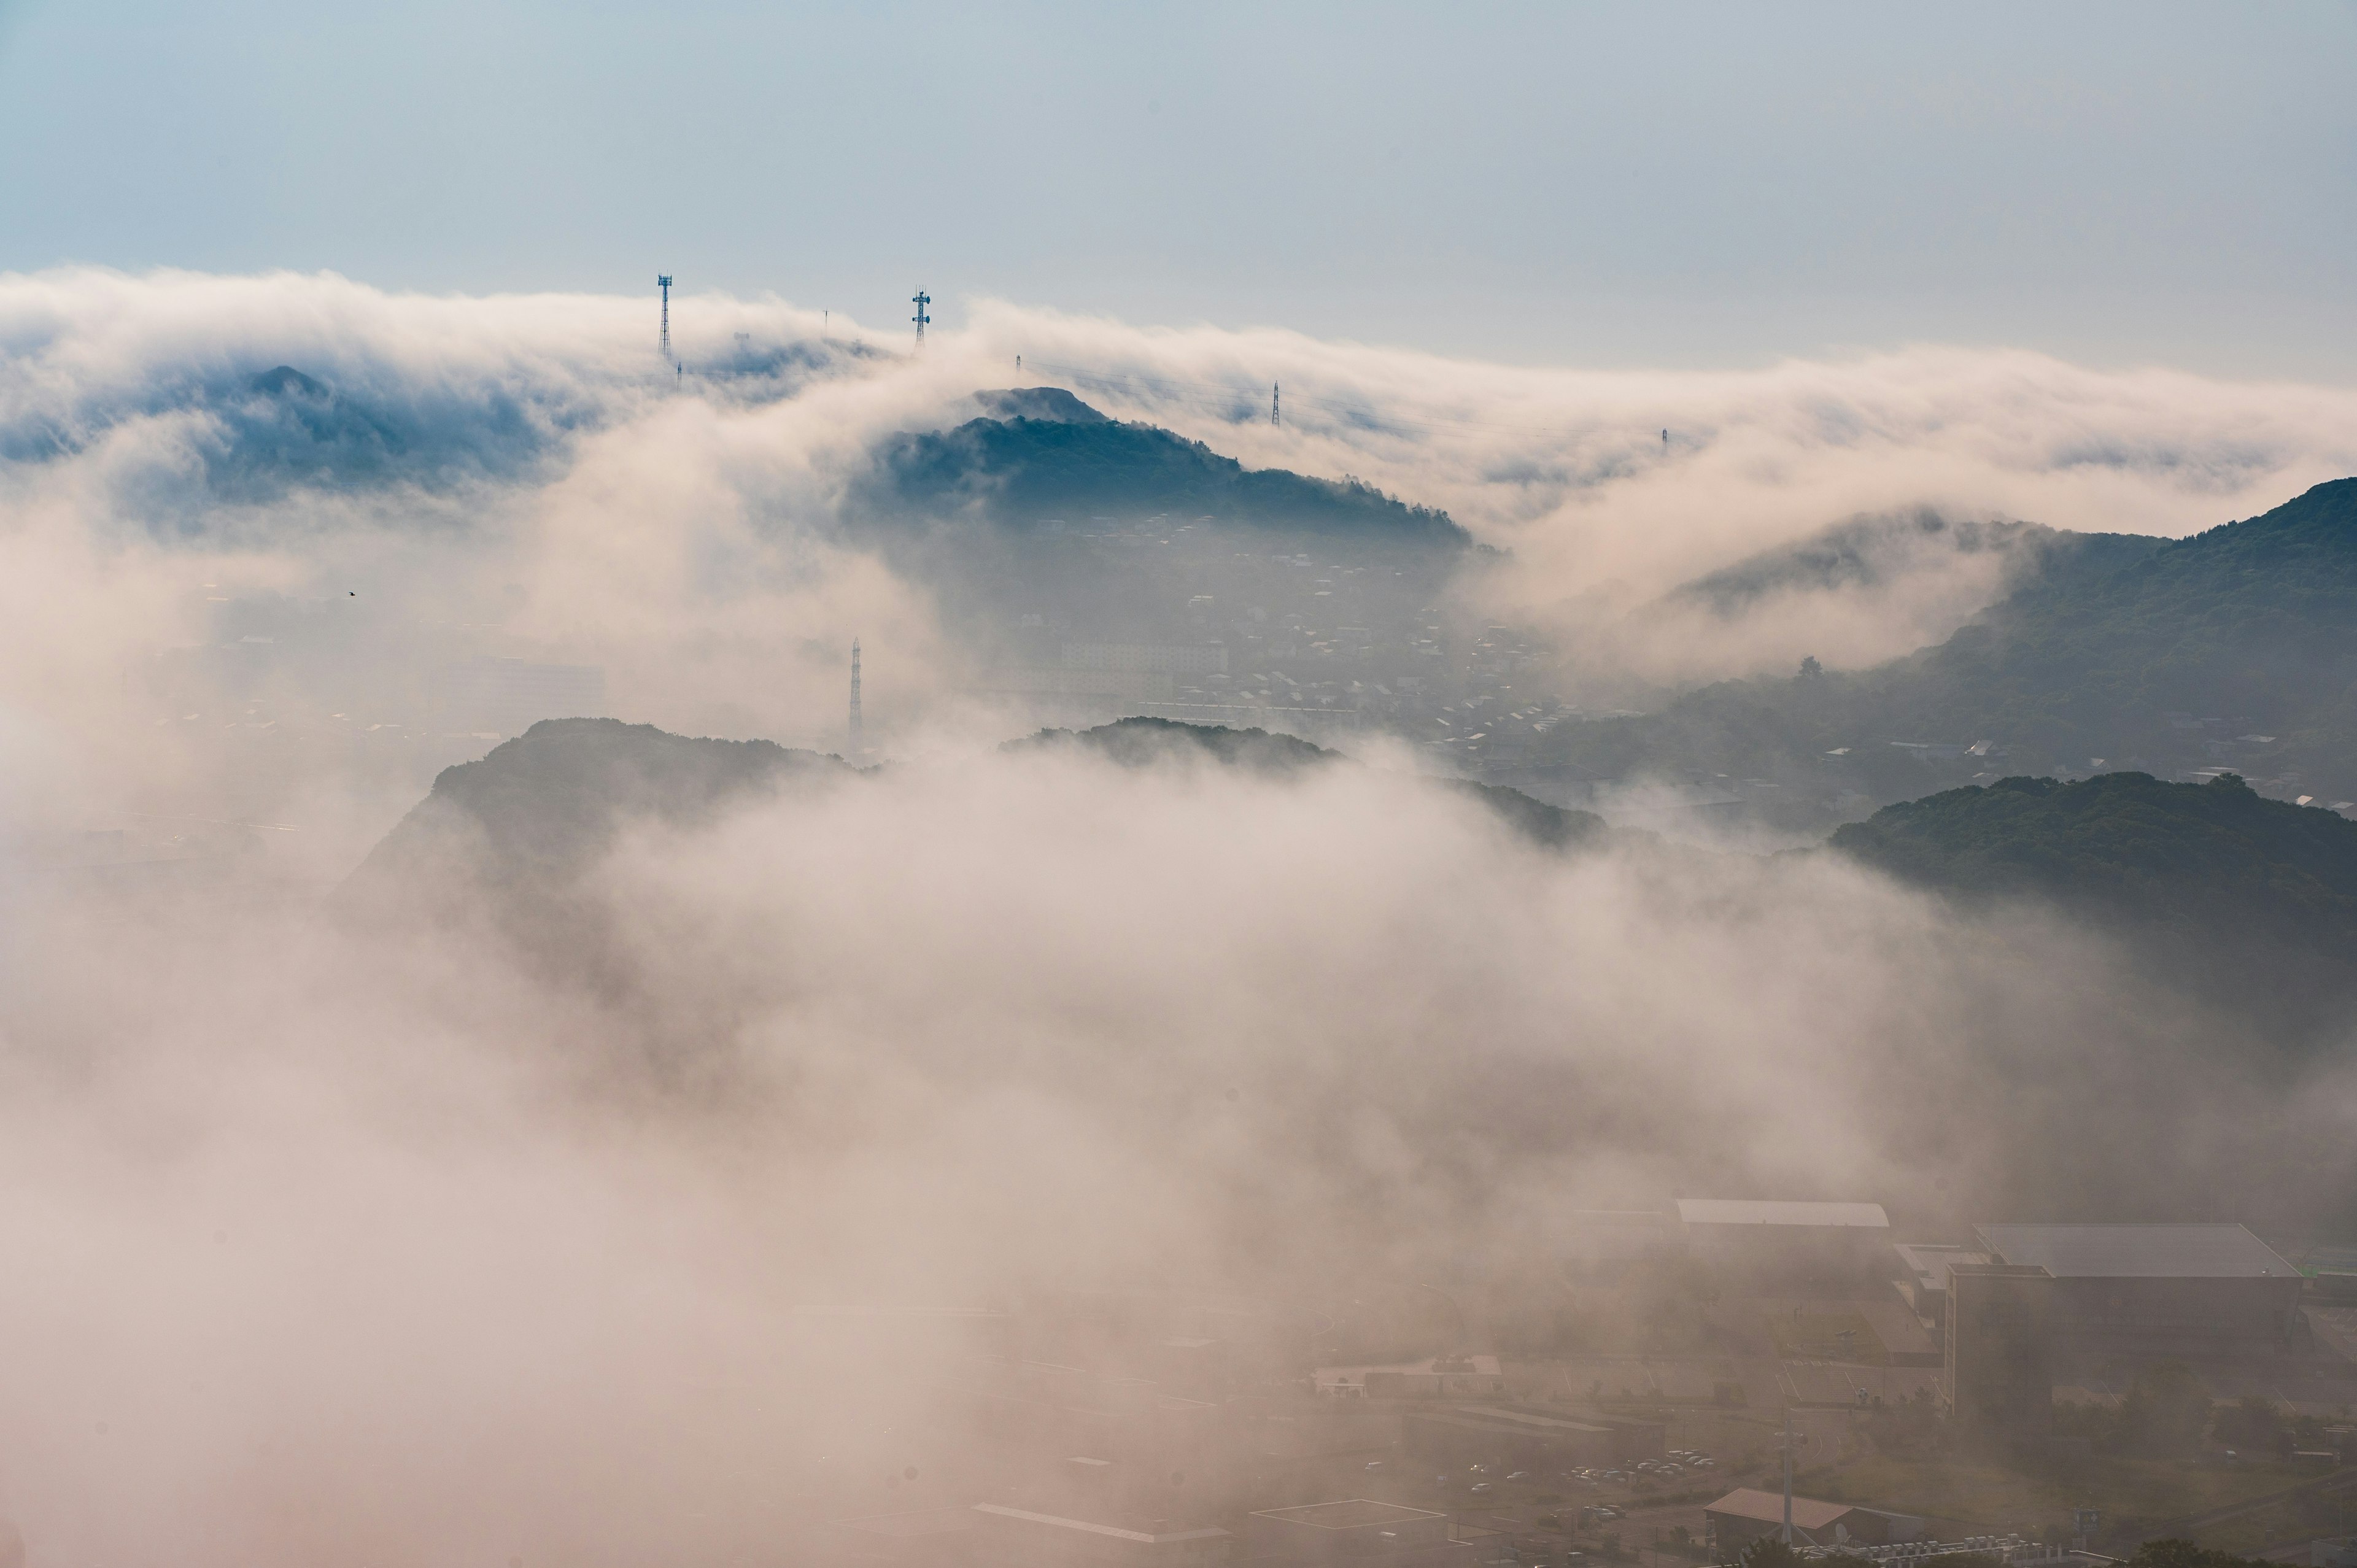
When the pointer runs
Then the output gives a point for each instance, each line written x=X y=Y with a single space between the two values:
x=1052 y=405
x=284 y=379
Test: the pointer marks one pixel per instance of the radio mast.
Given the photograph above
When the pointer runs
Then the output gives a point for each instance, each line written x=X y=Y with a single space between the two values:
x=662 y=282
x=921 y=299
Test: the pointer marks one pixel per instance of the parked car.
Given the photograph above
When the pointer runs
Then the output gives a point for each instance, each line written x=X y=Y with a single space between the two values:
x=1520 y=1476
x=1481 y=1486
x=1375 y=1464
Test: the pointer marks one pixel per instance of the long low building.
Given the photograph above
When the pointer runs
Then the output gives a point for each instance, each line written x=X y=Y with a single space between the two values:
x=1747 y=1513
x=2214 y=1284
x=1770 y=1242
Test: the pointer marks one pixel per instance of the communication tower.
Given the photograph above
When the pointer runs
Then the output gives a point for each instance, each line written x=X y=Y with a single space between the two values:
x=921 y=299
x=1272 y=403
x=858 y=739
x=662 y=282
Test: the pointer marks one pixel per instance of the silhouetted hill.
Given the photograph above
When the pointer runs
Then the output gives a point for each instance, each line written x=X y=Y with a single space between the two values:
x=1050 y=457
x=2236 y=647
x=2252 y=898
x=540 y=809
x=1877 y=551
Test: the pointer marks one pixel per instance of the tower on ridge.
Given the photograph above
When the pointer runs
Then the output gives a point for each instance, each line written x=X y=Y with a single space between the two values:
x=662 y=282
x=921 y=299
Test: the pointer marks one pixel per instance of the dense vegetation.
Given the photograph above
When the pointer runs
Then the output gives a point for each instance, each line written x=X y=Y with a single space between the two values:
x=1022 y=471
x=2238 y=645
x=2252 y=897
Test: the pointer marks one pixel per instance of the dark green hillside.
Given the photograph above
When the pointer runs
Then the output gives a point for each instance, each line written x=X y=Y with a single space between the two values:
x=2234 y=647
x=2254 y=897
x=540 y=809
x=1075 y=464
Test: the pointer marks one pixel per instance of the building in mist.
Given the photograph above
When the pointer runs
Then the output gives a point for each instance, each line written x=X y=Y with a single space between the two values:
x=2209 y=1286
x=1925 y=1283
x=1747 y=1513
x=507 y=696
x=1770 y=1244
x=2000 y=1348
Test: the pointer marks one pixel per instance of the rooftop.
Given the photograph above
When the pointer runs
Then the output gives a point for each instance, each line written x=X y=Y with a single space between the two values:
x=1357 y=1513
x=1781 y=1211
x=2138 y=1251
x=1750 y=1502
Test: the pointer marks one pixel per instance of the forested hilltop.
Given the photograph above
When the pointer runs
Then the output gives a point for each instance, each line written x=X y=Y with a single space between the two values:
x=2252 y=900
x=2235 y=647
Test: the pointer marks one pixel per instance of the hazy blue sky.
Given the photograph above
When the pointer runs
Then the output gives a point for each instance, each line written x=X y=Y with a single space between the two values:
x=1667 y=184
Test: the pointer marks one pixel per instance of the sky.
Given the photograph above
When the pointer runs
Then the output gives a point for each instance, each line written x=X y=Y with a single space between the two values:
x=1682 y=186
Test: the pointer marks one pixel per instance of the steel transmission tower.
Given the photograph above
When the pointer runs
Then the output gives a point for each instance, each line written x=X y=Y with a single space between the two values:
x=858 y=740
x=921 y=299
x=662 y=282
x=1272 y=403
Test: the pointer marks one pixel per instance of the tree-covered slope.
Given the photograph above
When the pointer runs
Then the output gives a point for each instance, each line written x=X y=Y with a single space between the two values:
x=1075 y=464
x=540 y=809
x=2235 y=647
x=2254 y=897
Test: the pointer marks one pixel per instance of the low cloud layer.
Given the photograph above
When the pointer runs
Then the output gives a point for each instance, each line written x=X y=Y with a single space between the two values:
x=372 y=1236
x=382 y=1239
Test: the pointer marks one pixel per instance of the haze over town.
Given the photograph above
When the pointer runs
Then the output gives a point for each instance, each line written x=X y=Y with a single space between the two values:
x=1343 y=858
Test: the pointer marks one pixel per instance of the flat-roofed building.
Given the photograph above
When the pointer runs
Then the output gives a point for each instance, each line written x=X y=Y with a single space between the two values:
x=1022 y=1539
x=1747 y=1513
x=2000 y=1348
x=1926 y=1282
x=2208 y=1285
x=1785 y=1242
x=1355 y=1530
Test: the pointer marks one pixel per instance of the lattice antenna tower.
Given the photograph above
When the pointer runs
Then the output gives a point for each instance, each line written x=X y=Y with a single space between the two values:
x=921 y=299
x=1272 y=403
x=662 y=282
x=858 y=737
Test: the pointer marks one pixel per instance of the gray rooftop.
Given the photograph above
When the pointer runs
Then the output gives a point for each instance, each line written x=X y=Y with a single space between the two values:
x=2138 y=1251
x=1777 y=1211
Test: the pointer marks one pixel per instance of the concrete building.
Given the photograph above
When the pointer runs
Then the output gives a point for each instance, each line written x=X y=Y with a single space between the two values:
x=1356 y=1530
x=1745 y=1514
x=2000 y=1355
x=1018 y=1538
x=2206 y=1286
x=1781 y=1244
x=1925 y=1285
x=1456 y=1436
